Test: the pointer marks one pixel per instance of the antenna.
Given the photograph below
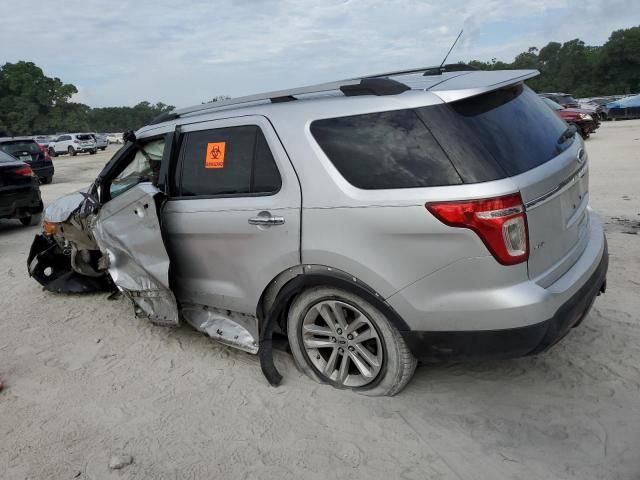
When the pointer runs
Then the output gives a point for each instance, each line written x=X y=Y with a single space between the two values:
x=449 y=52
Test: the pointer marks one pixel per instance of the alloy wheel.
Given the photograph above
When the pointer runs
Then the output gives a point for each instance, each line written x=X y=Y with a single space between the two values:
x=342 y=343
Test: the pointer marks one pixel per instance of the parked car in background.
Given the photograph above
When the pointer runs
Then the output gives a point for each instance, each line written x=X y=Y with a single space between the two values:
x=405 y=216
x=598 y=110
x=115 y=138
x=33 y=154
x=72 y=144
x=584 y=121
x=43 y=139
x=564 y=99
x=624 y=108
x=19 y=191
x=101 y=140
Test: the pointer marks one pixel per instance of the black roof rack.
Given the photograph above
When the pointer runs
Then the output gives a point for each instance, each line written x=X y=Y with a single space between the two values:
x=375 y=86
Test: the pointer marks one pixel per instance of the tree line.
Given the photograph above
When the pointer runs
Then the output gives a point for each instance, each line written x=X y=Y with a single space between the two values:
x=579 y=69
x=32 y=103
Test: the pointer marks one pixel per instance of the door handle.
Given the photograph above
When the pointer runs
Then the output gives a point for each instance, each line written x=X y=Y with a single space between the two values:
x=266 y=219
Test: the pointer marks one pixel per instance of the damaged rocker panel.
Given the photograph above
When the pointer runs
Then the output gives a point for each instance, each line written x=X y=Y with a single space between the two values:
x=227 y=327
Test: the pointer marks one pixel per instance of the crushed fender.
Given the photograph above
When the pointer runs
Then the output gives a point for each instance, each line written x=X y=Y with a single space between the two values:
x=48 y=264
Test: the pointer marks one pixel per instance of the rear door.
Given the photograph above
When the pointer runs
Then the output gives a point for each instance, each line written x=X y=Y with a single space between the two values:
x=128 y=231
x=556 y=198
x=233 y=219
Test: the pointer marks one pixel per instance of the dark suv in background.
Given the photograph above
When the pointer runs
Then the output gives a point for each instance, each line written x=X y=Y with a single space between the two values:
x=19 y=191
x=31 y=153
x=564 y=99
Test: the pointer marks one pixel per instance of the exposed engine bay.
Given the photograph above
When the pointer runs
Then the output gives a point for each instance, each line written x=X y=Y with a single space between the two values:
x=65 y=257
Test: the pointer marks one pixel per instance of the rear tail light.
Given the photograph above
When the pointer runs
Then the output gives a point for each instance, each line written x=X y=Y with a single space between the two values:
x=501 y=223
x=24 y=171
x=76 y=141
x=44 y=151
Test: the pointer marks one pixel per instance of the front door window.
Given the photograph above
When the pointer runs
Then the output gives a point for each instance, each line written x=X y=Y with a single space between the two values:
x=144 y=166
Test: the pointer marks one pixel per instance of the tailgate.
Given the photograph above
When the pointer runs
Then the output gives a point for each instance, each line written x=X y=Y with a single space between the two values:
x=556 y=196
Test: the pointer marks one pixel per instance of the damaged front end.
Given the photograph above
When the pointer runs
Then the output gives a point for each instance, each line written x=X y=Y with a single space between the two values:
x=65 y=258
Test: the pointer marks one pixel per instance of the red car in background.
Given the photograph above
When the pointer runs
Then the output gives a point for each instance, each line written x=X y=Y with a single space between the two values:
x=582 y=119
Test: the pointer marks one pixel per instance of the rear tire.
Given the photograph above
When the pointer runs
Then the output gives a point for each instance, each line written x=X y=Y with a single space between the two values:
x=72 y=152
x=31 y=220
x=380 y=365
x=92 y=152
x=47 y=180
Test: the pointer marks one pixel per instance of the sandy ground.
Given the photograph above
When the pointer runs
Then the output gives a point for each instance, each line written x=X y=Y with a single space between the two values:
x=85 y=378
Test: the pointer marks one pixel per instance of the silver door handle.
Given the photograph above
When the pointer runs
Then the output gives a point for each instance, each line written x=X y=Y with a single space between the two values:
x=269 y=219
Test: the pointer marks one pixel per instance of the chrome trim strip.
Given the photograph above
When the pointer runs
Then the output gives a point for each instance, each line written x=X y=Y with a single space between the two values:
x=561 y=188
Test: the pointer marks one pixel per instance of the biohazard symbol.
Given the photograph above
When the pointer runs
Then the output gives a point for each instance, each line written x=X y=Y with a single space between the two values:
x=215 y=155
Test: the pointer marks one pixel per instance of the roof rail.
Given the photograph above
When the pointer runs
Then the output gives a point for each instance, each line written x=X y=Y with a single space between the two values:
x=352 y=86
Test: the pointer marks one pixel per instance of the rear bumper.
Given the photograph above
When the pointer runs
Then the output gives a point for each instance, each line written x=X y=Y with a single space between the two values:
x=512 y=342
x=21 y=203
x=43 y=172
x=589 y=126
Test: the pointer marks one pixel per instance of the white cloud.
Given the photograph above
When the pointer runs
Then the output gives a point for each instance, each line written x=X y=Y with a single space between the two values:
x=183 y=54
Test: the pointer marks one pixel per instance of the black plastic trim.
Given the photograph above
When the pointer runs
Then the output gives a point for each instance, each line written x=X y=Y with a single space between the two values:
x=164 y=117
x=375 y=86
x=450 y=67
x=286 y=98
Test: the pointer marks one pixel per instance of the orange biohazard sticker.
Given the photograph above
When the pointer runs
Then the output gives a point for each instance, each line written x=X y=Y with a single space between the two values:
x=215 y=155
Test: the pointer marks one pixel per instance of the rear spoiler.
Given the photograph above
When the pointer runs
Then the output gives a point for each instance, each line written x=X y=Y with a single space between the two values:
x=469 y=84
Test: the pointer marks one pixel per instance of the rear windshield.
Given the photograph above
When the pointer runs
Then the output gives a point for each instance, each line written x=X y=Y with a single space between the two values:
x=6 y=158
x=553 y=105
x=483 y=138
x=84 y=137
x=19 y=147
x=498 y=134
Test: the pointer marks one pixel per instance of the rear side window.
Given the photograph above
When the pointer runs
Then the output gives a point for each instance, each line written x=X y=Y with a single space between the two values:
x=227 y=161
x=384 y=150
x=501 y=133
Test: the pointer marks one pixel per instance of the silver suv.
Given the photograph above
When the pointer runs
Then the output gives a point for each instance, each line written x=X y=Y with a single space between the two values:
x=374 y=222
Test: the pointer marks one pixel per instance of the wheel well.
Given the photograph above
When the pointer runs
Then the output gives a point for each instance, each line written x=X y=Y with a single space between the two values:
x=277 y=297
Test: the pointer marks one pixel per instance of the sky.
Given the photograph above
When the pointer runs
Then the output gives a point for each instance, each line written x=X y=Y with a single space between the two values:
x=121 y=53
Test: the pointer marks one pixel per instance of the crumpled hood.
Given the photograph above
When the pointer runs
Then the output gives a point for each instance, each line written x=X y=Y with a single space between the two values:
x=60 y=210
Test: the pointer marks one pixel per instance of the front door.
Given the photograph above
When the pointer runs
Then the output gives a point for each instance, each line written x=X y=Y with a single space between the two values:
x=233 y=219
x=127 y=231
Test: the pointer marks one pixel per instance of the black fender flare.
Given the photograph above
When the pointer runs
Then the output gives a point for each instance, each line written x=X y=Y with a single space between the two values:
x=312 y=276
